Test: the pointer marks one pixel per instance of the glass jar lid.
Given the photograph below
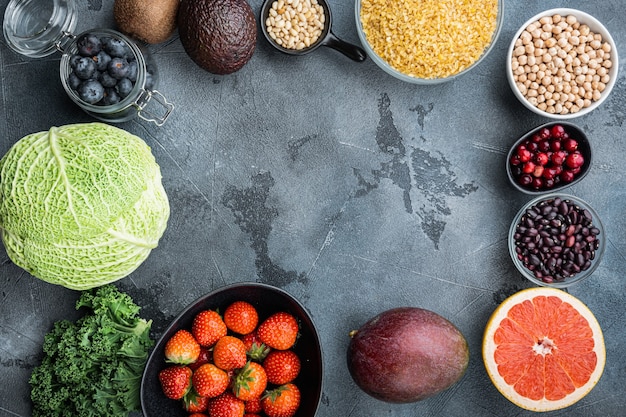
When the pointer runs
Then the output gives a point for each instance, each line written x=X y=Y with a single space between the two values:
x=37 y=28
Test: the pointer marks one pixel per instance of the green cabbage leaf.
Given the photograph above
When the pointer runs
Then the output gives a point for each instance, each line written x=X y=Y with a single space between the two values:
x=81 y=205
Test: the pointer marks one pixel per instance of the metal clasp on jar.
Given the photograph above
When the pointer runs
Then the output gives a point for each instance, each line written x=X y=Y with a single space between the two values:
x=63 y=41
x=145 y=98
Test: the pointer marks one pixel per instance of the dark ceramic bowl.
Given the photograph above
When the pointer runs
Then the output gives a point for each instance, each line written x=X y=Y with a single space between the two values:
x=516 y=235
x=267 y=299
x=583 y=146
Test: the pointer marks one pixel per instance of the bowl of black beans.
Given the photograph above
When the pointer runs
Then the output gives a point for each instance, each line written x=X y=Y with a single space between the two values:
x=556 y=240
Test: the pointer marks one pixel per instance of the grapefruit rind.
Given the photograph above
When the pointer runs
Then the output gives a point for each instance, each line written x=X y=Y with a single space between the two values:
x=489 y=349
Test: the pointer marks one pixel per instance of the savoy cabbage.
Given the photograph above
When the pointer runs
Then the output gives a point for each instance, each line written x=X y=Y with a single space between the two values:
x=81 y=205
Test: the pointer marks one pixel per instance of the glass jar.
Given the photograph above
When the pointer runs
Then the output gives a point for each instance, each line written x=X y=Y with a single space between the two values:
x=36 y=29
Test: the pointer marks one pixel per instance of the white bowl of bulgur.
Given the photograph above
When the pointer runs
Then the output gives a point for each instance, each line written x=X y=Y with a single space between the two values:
x=562 y=63
x=428 y=41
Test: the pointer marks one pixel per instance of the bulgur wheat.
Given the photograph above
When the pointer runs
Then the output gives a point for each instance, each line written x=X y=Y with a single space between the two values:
x=429 y=38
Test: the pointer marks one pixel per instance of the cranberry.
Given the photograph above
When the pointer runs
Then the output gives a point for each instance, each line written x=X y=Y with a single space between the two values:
x=537 y=183
x=555 y=145
x=557 y=131
x=515 y=160
x=525 y=180
x=544 y=133
x=538 y=172
x=559 y=157
x=570 y=145
x=524 y=154
x=567 y=176
x=528 y=167
x=576 y=170
x=544 y=145
x=532 y=146
x=574 y=160
x=542 y=158
x=535 y=138
x=549 y=173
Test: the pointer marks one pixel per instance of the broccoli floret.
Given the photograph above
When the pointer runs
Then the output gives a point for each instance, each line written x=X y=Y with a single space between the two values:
x=93 y=367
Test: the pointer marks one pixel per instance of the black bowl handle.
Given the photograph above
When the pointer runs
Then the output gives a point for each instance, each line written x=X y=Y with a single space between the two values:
x=351 y=51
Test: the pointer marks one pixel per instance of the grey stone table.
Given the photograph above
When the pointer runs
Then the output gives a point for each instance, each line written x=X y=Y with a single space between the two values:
x=350 y=189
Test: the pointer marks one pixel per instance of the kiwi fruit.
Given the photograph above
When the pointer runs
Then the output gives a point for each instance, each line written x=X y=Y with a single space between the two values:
x=150 y=21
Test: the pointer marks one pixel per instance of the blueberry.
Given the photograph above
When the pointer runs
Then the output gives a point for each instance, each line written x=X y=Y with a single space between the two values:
x=117 y=48
x=106 y=80
x=91 y=91
x=88 y=44
x=85 y=68
x=150 y=81
x=110 y=97
x=132 y=70
x=124 y=87
x=74 y=60
x=74 y=81
x=118 y=68
x=102 y=60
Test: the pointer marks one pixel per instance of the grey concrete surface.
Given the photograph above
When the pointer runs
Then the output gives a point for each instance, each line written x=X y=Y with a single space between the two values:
x=353 y=191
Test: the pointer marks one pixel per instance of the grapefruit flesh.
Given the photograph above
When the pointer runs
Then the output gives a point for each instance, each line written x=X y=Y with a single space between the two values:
x=543 y=349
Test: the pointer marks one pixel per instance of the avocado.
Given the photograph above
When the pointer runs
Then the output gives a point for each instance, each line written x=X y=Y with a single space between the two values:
x=218 y=35
x=150 y=21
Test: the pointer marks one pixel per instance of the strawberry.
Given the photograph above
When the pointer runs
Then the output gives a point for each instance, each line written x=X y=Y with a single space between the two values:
x=279 y=331
x=282 y=401
x=209 y=380
x=182 y=348
x=241 y=317
x=194 y=403
x=205 y=357
x=229 y=353
x=175 y=381
x=255 y=349
x=281 y=366
x=208 y=327
x=250 y=381
x=226 y=405
x=253 y=406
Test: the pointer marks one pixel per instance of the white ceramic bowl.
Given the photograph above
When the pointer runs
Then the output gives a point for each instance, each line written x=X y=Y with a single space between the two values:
x=596 y=27
x=415 y=80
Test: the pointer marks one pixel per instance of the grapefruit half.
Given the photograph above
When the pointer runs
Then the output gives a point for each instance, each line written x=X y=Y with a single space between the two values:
x=543 y=349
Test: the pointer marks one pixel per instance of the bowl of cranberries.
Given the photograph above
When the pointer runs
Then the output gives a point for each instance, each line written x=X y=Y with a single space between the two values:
x=250 y=348
x=549 y=158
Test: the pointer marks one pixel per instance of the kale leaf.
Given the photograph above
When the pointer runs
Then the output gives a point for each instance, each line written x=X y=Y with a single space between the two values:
x=92 y=367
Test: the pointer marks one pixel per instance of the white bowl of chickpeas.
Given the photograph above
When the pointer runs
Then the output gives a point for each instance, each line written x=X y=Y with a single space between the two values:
x=562 y=63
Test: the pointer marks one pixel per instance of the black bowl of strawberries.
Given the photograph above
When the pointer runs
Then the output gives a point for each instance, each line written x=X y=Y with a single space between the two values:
x=549 y=158
x=244 y=348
